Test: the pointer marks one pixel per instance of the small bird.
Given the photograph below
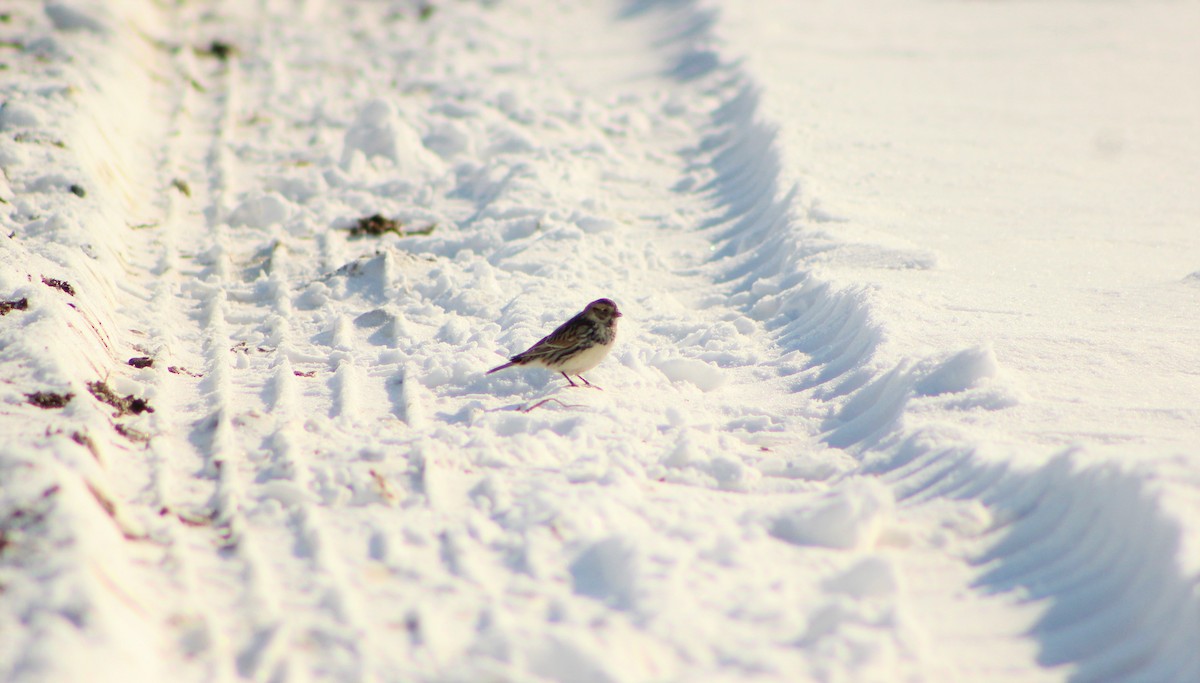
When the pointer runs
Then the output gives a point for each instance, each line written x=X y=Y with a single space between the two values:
x=578 y=345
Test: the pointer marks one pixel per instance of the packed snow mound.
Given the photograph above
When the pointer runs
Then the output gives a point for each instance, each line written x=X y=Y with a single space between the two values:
x=702 y=375
x=853 y=518
x=606 y=571
x=958 y=373
x=871 y=577
x=378 y=131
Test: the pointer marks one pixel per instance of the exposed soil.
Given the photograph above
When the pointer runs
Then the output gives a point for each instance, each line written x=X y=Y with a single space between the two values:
x=13 y=305
x=132 y=434
x=61 y=285
x=377 y=225
x=219 y=49
x=48 y=399
x=125 y=405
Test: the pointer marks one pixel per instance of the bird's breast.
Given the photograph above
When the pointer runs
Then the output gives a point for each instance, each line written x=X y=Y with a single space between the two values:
x=586 y=359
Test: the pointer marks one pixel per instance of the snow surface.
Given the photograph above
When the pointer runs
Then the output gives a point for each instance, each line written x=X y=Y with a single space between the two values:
x=906 y=388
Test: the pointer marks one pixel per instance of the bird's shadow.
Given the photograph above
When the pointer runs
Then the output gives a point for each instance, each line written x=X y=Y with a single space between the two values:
x=552 y=393
x=530 y=407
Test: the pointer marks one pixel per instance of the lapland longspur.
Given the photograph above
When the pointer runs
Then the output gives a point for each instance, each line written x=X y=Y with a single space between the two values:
x=577 y=346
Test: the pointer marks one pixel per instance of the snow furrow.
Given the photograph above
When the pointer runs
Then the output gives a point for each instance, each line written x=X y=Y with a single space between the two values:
x=229 y=618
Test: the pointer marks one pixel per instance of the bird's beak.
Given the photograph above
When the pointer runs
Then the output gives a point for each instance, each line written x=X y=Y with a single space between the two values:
x=617 y=314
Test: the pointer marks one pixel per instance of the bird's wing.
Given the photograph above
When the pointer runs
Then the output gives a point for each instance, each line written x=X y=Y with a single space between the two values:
x=565 y=335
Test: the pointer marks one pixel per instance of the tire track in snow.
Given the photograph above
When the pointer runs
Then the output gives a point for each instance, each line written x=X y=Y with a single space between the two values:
x=228 y=618
x=255 y=432
x=231 y=611
x=178 y=494
x=290 y=325
x=250 y=638
x=1087 y=546
x=291 y=477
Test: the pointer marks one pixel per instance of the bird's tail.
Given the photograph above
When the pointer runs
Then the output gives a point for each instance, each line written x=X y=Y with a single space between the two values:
x=499 y=368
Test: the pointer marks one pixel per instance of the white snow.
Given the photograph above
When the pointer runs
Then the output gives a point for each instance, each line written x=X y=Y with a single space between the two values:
x=905 y=389
x=853 y=518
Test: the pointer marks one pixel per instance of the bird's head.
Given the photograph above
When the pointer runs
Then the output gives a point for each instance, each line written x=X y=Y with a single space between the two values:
x=603 y=310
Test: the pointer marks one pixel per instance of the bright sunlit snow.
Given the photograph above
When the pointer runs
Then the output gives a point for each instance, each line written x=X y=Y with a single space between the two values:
x=906 y=388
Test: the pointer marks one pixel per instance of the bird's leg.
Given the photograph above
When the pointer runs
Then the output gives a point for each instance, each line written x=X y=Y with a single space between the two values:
x=569 y=379
x=589 y=384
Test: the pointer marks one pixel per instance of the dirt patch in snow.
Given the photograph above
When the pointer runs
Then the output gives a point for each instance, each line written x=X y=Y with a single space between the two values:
x=48 y=399
x=13 y=305
x=125 y=405
x=61 y=285
x=219 y=49
x=377 y=226
x=134 y=435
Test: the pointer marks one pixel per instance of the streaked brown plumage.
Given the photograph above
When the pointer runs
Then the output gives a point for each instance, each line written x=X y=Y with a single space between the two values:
x=576 y=346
